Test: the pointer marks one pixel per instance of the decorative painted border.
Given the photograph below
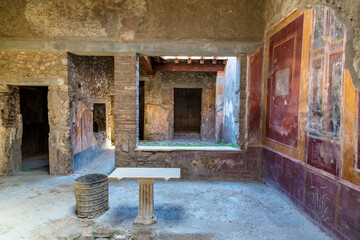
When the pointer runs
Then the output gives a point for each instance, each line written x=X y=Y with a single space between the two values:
x=303 y=94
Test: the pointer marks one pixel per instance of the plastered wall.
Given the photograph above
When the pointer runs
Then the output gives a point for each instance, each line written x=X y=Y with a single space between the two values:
x=318 y=173
x=130 y=21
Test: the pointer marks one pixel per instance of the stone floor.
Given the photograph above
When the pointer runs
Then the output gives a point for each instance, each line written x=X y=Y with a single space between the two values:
x=36 y=161
x=34 y=205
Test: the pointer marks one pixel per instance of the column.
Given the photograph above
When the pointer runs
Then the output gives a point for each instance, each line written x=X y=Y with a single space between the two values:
x=146 y=202
x=126 y=109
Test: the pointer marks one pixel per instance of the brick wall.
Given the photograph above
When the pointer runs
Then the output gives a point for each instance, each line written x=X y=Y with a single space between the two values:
x=126 y=111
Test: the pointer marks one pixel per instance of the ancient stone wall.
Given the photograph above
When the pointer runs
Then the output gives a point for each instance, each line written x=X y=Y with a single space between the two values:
x=129 y=20
x=193 y=164
x=90 y=79
x=33 y=68
x=10 y=130
x=159 y=103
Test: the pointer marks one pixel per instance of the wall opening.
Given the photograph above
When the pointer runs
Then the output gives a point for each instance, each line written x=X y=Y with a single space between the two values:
x=187 y=110
x=99 y=117
x=183 y=102
x=35 y=138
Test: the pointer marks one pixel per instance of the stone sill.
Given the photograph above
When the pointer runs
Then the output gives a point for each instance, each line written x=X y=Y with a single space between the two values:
x=172 y=148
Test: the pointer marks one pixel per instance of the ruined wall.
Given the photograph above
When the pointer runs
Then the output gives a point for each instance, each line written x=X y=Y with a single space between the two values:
x=90 y=79
x=130 y=21
x=159 y=103
x=193 y=164
x=10 y=130
x=315 y=167
x=32 y=68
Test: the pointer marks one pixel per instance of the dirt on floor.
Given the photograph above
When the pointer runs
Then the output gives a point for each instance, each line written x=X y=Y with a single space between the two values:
x=35 y=205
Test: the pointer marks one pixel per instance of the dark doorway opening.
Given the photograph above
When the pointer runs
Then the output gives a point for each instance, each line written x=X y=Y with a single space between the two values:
x=35 y=138
x=187 y=110
x=99 y=117
x=141 y=109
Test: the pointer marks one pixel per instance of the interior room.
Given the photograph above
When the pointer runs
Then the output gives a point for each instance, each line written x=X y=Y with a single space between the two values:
x=153 y=119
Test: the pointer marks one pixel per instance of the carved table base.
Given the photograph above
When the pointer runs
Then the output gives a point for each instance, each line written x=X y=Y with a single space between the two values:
x=146 y=202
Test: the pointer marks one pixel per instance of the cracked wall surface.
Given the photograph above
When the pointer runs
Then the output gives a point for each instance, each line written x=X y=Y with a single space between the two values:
x=348 y=10
x=129 y=20
x=319 y=175
x=90 y=81
x=34 y=68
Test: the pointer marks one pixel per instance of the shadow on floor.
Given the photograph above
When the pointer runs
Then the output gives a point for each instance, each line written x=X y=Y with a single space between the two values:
x=36 y=162
x=165 y=213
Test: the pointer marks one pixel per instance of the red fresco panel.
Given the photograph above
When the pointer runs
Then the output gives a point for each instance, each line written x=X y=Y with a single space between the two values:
x=358 y=152
x=283 y=84
x=255 y=96
x=324 y=154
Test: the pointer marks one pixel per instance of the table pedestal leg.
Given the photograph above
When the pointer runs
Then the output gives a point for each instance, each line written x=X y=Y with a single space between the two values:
x=146 y=202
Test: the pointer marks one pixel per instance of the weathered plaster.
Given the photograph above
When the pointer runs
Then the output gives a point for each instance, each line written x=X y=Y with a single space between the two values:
x=22 y=68
x=90 y=80
x=231 y=101
x=10 y=130
x=347 y=11
x=133 y=21
x=219 y=106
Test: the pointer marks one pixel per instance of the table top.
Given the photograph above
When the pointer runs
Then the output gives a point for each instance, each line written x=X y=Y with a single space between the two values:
x=145 y=173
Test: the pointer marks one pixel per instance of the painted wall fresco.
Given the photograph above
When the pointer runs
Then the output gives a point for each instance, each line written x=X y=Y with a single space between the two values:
x=83 y=129
x=326 y=187
x=325 y=89
x=334 y=205
x=283 y=84
x=219 y=106
x=324 y=154
x=255 y=66
x=357 y=163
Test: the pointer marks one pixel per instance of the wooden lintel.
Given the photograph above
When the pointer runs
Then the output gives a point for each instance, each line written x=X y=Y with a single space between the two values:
x=184 y=67
x=146 y=64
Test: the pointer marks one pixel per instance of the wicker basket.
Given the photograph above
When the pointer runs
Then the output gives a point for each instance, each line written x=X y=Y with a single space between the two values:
x=91 y=193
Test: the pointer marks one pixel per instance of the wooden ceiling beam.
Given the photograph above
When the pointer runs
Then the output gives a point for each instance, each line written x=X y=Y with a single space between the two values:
x=146 y=65
x=184 y=67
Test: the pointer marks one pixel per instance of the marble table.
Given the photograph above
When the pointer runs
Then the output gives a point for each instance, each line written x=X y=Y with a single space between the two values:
x=145 y=178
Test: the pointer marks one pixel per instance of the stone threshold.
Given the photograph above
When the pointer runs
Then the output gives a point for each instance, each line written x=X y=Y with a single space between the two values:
x=173 y=148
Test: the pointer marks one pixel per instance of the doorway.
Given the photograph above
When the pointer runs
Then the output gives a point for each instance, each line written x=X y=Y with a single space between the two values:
x=187 y=110
x=35 y=138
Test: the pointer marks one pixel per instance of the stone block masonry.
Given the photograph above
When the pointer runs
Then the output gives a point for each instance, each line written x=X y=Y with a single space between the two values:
x=34 y=68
